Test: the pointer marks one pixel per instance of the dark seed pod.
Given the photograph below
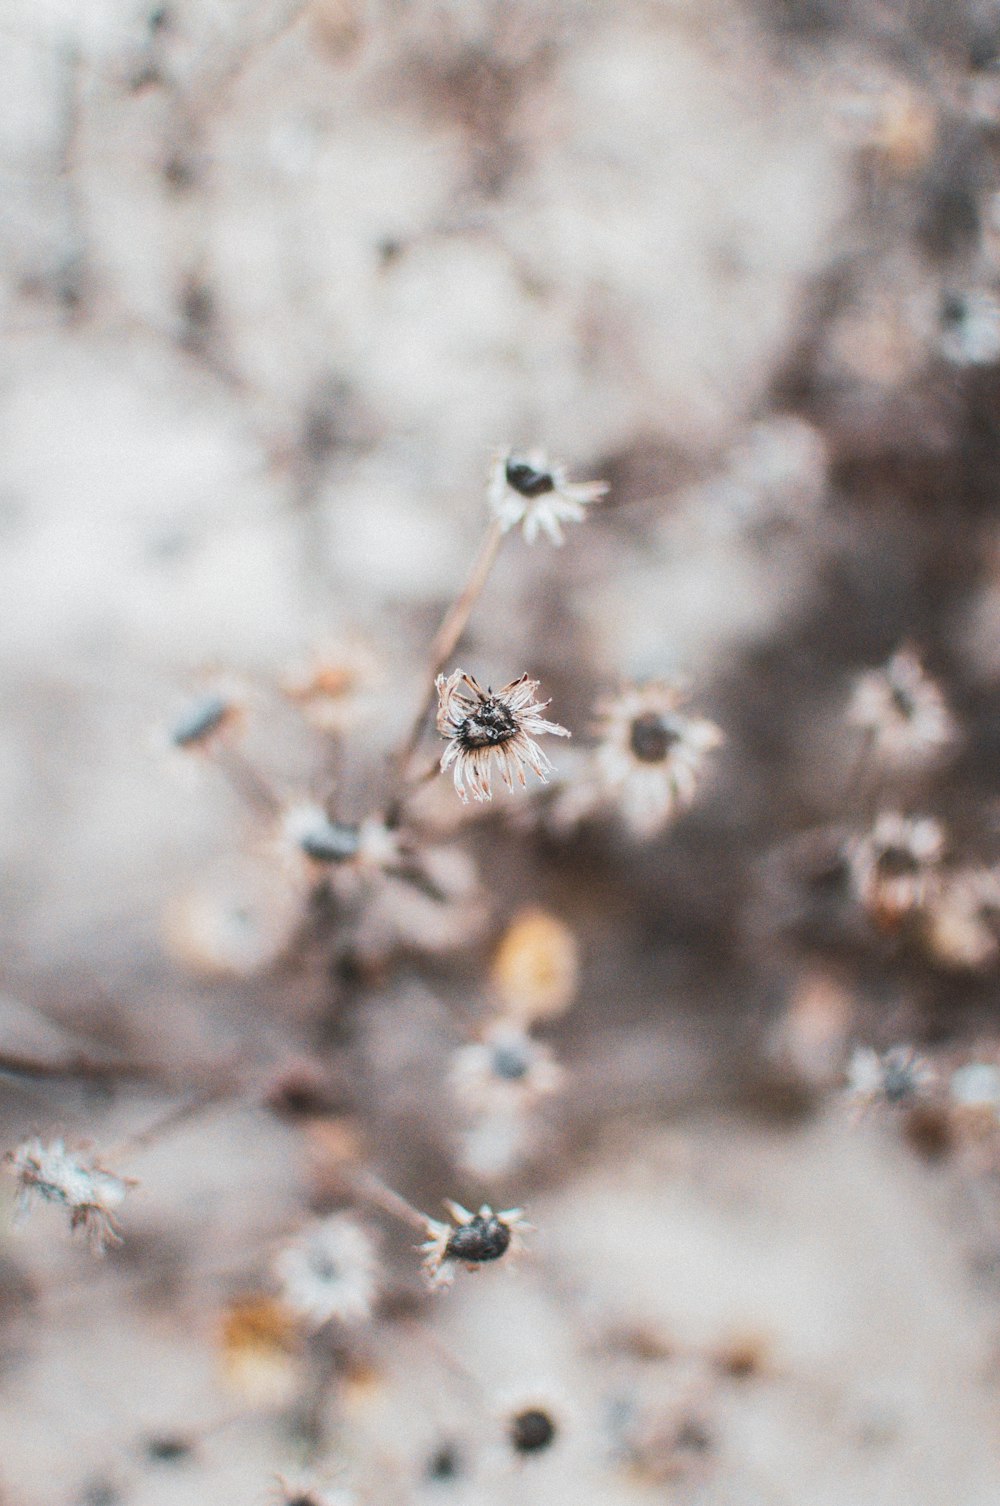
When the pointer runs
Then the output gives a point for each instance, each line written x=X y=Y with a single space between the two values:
x=651 y=737
x=330 y=841
x=532 y=1430
x=484 y=1238
x=523 y=478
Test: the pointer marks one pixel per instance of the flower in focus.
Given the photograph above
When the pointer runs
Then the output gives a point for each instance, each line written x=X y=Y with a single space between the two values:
x=472 y=1239
x=896 y=1076
x=903 y=712
x=72 y=1179
x=482 y=727
x=505 y=1069
x=893 y=867
x=329 y=1271
x=529 y=491
x=651 y=755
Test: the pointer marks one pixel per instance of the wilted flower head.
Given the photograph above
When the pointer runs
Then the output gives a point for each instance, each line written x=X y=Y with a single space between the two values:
x=651 y=755
x=531 y=491
x=312 y=833
x=506 y=1068
x=329 y=1271
x=903 y=711
x=471 y=1239
x=893 y=867
x=482 y=727
x=896 y=1076
x=75 y=1181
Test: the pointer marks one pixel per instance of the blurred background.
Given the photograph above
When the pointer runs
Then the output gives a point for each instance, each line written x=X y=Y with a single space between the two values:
x=278 y=281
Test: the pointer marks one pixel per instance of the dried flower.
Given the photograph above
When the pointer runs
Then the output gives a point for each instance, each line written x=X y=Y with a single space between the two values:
x=970 y=328
x=903 y=711
x=311 y=832
x=529 y=491
x=329 y=1271
x=651 y=755
x=896 y=1076
x=75 y=1181
x=505 y=1068
x=482 y=726
x=893 y=867
x=472 y=1239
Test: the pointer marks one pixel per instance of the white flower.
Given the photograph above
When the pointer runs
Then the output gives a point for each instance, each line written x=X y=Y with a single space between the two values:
x=903 y=711
x=896 y=1076
x=329 y=1271
x=976 y=1086
x=971 y=332
x=505 y=1069
x=963 y=920
x=651 y=756
x=893 y=867
x=53 y=1174
x=471 y=1239
x=483 y=727
x=529 y=491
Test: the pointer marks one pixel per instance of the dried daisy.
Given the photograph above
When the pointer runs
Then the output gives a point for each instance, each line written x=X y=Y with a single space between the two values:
x=329 y=1271
x=529 y=491
x=893 y=867
x=507 y=1068
x=651 y=755
x=897 y=1076
x=483 y=727
x=903 y=712
x=471 y=1239
x=309 y=831
x=72 y=1179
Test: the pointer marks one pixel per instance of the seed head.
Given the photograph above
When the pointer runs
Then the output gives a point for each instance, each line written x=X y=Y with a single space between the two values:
x=471 y=1239
x=484 y=727
x=904 y=713
x=894 y=866
x=898 y=1076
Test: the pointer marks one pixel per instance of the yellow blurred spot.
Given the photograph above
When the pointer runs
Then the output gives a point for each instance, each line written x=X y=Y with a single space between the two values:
x=259 y=1349
x=536 y=967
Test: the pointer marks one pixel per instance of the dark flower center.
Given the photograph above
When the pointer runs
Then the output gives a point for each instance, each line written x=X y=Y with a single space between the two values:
x=491 y=725
x=903 y=701
x=651 y=738
x=532 y=1430
x=330 y=841
x=484 y=1238
x=899 y=1080
x=525 y=479
x=200 y=721
x=897 y=862
x=323 y=1268
x=510 y=1062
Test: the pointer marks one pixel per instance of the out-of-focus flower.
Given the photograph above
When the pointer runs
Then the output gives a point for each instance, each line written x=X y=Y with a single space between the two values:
x=483 y=727
x=505 y=1069
x=970 y=328
x=976 y=1087
x=530 y=491
x=536 y=967
x=330 y=689
x=649 y=761
x=259 y=1343
x=310 y=831
x=963 y=919
x=330 y=1271
x=305 y=1490
x=203 y=721
x=894 y=866
x=903 y=712
x=73 y=1180
x=471 y=1239
x=897 y=1076
x=235 y=924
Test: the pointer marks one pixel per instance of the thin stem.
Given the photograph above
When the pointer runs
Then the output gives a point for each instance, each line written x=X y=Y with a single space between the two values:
x=83 y=1068
x=220 y=1092
x=446 y=638
x=374 y=1191
x=250 y=785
